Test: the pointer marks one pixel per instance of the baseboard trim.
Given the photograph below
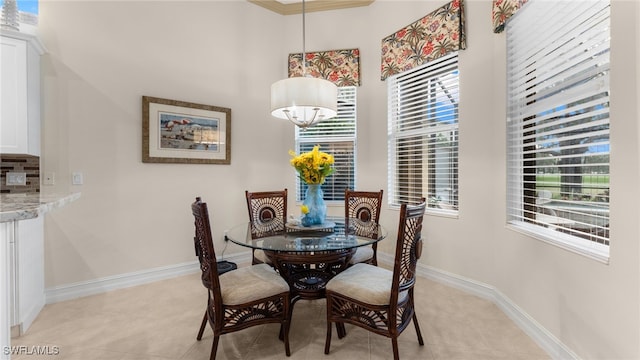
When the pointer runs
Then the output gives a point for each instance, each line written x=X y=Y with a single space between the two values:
x=121 y=281
x=547 y=341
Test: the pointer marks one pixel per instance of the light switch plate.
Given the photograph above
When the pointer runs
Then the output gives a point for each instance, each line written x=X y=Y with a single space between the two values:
x=16 y=179
x=77 y=178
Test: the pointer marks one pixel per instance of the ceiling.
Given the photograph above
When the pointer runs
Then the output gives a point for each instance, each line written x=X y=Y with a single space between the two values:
x=290 y=7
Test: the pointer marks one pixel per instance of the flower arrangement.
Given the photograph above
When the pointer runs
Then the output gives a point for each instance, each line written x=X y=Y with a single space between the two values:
x=313 y=166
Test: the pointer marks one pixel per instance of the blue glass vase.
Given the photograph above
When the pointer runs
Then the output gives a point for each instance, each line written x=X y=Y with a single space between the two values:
x=315 y=203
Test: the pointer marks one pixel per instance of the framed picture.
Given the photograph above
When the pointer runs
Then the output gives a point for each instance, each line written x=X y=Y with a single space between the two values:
x=182 y=132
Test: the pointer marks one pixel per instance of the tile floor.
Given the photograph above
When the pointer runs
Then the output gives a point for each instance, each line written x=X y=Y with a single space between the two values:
x=160 y=321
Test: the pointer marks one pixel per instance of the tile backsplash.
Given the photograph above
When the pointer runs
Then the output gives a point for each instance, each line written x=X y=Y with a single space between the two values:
x=28 y=164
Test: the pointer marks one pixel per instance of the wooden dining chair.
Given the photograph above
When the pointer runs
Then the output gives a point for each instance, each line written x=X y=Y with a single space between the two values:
x=238 y=299
x=267 y=215
x=362 y=209
x=378 y=299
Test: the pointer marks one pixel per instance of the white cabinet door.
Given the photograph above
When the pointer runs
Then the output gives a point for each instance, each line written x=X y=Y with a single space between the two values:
x=22 y=276
x=6 y=235
x=29 y=244
x=14 y=129
x=20 y=94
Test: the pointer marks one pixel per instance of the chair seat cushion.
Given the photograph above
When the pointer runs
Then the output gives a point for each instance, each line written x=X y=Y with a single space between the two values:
x=260 y=255
x=362 y=254
x=366 y=283
x=251 y=283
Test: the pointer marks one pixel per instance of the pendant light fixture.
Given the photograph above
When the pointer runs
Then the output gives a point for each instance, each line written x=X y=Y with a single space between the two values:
x=305 y=100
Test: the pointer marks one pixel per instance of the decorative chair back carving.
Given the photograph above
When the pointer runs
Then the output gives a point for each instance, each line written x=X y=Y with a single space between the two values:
x=362 y=211
x=267 y=215
x=203 y=242
x=267 y=212
x=408 y=249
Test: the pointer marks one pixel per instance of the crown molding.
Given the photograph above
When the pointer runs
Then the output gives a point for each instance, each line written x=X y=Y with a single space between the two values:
x=311 y=6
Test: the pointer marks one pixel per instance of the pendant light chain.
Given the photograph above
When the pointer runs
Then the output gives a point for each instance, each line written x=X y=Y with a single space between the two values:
x=304 y=53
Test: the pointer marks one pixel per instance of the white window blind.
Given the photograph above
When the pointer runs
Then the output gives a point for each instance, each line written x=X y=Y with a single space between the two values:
x=423 y=135
x=336 y=136
x=558 y=123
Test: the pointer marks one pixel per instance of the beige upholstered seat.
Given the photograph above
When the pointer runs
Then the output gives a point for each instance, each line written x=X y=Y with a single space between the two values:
x=260 y=257
x=258 y=281
x=377 y=299
x=364 y=254
x=365 y=283
x=364 y=208
x=240 y=298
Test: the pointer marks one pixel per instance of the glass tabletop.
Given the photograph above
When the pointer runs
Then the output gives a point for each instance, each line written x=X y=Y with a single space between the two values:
x=330 y=236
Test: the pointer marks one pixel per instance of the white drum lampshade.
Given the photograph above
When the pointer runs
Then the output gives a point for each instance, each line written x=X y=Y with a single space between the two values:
x=304 y=100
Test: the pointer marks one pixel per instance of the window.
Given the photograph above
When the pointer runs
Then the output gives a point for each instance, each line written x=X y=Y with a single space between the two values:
x=336 y=136
x=558 y=123
x=423 y=135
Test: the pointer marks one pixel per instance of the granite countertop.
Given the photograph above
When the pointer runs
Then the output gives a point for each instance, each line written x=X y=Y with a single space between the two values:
x=29 y=206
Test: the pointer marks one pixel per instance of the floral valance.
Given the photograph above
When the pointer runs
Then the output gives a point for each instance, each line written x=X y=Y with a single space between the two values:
x=342 y=67
x=502 y=11
x=437 y=34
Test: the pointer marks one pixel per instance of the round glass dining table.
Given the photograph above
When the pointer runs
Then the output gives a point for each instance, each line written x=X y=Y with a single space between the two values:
x=308 y=257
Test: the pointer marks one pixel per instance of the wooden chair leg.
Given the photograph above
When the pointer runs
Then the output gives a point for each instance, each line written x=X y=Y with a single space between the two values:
x=342 y=332
x=290 y=312
x=202 y=326
x=327 y=341
x=394 y=343
x=285 y=327
x=415 y=323
x=214 y=347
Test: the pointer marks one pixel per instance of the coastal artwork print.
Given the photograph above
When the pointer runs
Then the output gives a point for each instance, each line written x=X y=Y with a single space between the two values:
x=182 y=132
x=179 y=131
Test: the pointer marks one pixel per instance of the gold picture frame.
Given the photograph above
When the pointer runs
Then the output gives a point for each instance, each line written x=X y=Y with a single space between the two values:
x=181 y=132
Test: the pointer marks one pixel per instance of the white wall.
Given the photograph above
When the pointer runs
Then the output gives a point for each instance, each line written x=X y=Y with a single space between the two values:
x=104 y=56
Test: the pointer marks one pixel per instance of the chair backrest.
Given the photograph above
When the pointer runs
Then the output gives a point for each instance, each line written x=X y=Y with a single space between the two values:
x=364 y=206
x=205 y=252
x=267 y=212
x=408 y=248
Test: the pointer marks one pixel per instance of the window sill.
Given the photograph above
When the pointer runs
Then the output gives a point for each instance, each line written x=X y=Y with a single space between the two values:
x=589 y=249
x=452 y=214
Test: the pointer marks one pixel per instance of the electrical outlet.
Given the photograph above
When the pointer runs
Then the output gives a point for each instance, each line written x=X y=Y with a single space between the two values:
x=49 y=178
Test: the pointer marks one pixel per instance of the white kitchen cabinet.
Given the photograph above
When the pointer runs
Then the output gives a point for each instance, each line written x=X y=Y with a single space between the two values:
x=25 y=262
x=6 y=232
x=28 y=281
x=22 y=293
x=20 y=93
x=21 y=277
